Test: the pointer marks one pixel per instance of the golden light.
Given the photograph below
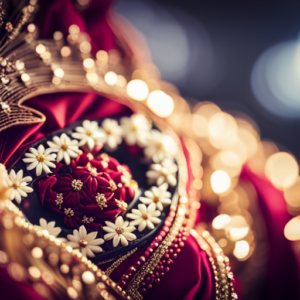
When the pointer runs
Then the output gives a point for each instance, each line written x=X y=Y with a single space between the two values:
x=137 y=89
x=59 y=73
x=238 y=228
x=85 y=47
x=72 y=293
x=292 y=194
x=34 y=272
x=292 y=229
x=88 y=277
x=92 y=77
x=221 y=221
x=74 y=29
x=228 y=161
x=88 y=63
x=65 y=51
x=102 y=56
x=199 y=125
x=16 y=271
x=25 y=77
x=111 y=78
x=31 y=28
x=20 y=65
x=160 y=103
x=282 y=170
x=241 y=249
x=222 y=129
x=198 y=183
x=37 y=252
x=220 y=181
x=57 y=35
x=40 y=49
x=121 y=81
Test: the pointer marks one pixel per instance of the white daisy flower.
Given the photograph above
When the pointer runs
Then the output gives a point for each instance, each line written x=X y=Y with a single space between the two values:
x=145 y=216
x=163 y=172
x=19 y=185
x=120 y=231
x=87 y=243
x=160 y=146
x=135 y=129
x=112 y=133
x=88 y=134
x=40 y=159
x=65 y=148
x=50 y=227
x=158 y=195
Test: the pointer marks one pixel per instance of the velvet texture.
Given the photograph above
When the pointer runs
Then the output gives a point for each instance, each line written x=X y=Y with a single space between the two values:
x=283 y=276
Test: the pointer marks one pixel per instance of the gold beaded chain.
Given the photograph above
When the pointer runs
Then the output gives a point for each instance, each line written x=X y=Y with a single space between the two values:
x=119 y=261
x=220 y=265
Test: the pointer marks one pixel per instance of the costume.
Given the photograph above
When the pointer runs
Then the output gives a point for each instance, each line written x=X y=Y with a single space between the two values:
x=105 y=183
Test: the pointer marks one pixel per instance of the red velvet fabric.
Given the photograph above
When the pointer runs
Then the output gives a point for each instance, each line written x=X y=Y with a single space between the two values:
x=283 y=276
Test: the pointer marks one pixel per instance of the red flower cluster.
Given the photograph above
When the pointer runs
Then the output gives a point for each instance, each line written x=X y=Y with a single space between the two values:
x=89 y=191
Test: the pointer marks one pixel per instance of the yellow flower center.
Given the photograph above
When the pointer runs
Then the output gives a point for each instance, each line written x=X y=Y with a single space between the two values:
x=83 y=243
x=40 y=158
x=16 y=185
x=133 y=128
x=64 y=147
x=88 y=133
x=145 y=217
x=156 y=199
x=108 y=131
x=119 y=230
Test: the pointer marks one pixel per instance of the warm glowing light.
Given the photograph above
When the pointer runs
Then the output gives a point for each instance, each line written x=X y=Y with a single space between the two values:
x=222 y=129
x=160 y=103
x=88 y=63
x=121 y=81
x=59 y=73
x=238 y=228
x=92 y=77
x=111 y=78
x=57 y=35
x=88 y=277
x=85 y=47
x=197 y=183
x=282 y=169
x=74 y=29
x=241 y=249
x=221 y=221
x=40 y=49
x=228 y=161
x=137 y=89
x=292 y=194
x=16 y=271
x=31 y=28
x=222 y=242
x=25 y=77
x=200 y=125
x=34 y=272
x=102 y=56
x=292 y=229
x=72 y=293
x=65 y=51
x=220 y=181
x=37 y=252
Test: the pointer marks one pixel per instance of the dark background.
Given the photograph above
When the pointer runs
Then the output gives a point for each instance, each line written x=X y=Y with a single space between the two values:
x=239 y=32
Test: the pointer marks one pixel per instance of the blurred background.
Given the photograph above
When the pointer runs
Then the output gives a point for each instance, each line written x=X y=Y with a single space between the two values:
x=242 y=55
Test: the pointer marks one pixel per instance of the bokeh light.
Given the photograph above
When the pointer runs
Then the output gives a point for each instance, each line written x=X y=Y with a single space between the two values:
x=221 y=221
x=137 y=89
x=160 y=103
x=241 y=249
x=220 y=181
x=292 y=229
x=282 y=170
x=292 y=194
x=111 y=78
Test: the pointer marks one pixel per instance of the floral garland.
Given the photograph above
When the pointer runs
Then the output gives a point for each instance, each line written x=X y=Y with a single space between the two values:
x=83 y=187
